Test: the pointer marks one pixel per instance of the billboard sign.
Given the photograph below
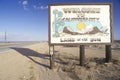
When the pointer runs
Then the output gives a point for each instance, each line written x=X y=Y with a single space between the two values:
x=80 y=23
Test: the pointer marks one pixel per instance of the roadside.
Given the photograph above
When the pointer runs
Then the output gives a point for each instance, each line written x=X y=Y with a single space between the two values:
x=32 y=63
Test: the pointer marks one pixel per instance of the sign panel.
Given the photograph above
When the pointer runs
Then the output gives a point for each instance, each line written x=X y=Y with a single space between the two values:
x=80 y=23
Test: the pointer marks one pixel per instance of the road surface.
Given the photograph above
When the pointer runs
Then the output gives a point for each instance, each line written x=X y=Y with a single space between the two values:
x=7 y=46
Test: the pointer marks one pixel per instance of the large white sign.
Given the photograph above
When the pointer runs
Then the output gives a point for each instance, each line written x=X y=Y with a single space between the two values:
x=80 y=23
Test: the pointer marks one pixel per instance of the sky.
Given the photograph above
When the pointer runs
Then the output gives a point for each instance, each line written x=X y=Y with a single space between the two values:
x=27 y=20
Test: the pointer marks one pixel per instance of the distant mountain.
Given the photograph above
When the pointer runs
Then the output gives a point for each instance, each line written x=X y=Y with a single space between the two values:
x=69 y=31
x=93 y=30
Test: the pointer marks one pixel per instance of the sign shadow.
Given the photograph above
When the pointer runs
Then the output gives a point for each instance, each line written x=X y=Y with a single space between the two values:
x=31 y=53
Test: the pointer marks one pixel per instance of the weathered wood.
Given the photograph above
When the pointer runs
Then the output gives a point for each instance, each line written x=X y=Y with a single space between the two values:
x=51 y=51
x=52 y=61
x=82 y=55
x=108 y=53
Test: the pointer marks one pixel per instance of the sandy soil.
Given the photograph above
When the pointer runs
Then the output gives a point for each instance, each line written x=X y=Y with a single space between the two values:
x=32 y=63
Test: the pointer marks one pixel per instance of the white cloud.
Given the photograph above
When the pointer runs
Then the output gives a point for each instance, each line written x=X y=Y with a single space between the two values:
x=40 y=7
x=43 y=7
x=26 y=6
x=25 y=2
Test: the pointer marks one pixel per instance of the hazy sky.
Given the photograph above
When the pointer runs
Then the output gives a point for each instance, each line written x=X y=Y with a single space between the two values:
x=26 y=20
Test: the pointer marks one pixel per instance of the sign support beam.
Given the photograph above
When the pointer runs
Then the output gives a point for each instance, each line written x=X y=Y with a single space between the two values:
x=82 y=55
x=51 y=50
x=108 y=53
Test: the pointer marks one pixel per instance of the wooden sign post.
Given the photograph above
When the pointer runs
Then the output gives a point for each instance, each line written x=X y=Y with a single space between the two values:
x=108 y=53
x=82 y=55
x=51 y=52
x=80 y=24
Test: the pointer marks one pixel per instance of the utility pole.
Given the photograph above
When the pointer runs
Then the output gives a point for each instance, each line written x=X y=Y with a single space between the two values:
x=5 y=36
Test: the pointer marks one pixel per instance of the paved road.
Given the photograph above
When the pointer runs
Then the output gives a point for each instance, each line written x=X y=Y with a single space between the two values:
x=7 y=46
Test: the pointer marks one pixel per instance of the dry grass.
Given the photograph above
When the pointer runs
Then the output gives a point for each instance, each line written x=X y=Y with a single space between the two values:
x=93 y=69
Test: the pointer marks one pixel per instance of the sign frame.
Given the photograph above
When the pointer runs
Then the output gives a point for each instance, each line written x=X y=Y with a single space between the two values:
x=90 y=4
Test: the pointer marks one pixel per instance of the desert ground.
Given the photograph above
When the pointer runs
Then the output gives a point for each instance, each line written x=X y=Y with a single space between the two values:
x=32 y=63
